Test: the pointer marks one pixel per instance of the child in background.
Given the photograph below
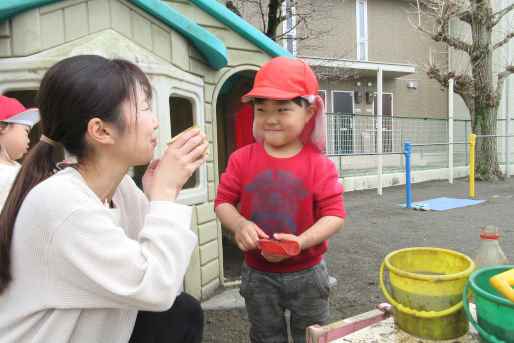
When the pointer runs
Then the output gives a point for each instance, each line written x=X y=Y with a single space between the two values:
x=15 y=124
x=288 y=190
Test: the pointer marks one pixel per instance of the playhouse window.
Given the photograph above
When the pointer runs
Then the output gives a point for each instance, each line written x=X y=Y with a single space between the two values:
x=181 y=117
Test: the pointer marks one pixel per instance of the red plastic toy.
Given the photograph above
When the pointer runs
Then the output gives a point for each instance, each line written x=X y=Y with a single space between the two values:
x=282 y=247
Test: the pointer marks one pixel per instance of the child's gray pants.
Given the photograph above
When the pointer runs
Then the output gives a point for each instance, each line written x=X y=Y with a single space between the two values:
x=267 y=295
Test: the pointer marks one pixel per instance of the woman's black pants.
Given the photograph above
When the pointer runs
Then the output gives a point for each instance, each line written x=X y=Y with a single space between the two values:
x=182 y=323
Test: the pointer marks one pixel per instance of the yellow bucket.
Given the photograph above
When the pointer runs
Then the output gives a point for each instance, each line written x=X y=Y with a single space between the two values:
x=427 y=286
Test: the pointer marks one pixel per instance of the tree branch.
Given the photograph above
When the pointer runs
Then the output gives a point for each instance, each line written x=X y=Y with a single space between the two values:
x=500 y=14
x=501 y=77
x=503 y=41
x=440 y=14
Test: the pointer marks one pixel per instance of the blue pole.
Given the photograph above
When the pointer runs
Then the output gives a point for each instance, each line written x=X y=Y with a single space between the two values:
x=407 y=153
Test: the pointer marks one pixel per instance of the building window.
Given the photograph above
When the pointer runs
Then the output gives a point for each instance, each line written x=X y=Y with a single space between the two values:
x=289 y=26
x=362 y=30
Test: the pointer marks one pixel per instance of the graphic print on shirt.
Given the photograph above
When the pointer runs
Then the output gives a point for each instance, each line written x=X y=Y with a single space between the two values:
x=276 y=194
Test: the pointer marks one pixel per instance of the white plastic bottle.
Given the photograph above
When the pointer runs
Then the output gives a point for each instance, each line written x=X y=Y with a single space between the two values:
x=489 y=253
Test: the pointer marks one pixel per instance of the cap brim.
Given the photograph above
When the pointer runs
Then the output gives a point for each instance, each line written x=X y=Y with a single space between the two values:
x=29 y=117
x=268 y=93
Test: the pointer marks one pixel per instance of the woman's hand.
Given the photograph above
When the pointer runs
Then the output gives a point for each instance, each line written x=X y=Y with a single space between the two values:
x=148 y=176
x=177 y=165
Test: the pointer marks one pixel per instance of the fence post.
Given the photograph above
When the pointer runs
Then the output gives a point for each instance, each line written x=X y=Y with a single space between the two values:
x=379 y=131
x=407 y=153
x=472 y=140
x=450 y=131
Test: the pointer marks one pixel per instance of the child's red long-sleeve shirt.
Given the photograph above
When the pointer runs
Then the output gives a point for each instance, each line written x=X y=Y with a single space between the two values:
x=286 y=195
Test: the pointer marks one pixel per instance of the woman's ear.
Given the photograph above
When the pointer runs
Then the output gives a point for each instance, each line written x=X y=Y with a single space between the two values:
x=101 y=132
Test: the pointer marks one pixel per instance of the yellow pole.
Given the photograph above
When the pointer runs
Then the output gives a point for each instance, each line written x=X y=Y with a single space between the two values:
x=472 y=140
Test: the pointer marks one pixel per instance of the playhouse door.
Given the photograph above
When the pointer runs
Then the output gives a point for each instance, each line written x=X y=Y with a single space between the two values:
x=244 y=126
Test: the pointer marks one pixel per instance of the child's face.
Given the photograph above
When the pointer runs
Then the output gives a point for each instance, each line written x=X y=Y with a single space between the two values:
x=280 y=123
x=15 y=140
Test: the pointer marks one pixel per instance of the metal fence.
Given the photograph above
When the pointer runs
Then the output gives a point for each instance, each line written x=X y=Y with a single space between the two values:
x=351 y=143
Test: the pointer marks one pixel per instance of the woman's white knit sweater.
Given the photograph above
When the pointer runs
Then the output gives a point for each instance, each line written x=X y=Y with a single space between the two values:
x=81 y=271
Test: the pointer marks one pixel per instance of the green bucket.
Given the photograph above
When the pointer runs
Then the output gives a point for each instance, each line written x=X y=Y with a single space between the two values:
x=495 y=313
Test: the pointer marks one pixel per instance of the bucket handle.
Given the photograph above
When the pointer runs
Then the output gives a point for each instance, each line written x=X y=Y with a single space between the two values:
x=465 y=299
x=413 y=312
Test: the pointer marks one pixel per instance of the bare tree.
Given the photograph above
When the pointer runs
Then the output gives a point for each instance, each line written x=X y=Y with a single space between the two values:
x=478 y=85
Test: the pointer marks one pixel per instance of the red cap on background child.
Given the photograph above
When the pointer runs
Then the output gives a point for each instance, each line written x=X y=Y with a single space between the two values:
x=12 y=111
x=285 y=78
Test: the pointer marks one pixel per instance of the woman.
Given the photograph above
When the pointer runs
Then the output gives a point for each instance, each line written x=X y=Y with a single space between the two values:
x=83 y=249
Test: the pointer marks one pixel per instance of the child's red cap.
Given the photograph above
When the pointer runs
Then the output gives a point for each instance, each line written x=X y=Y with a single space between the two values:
x=12 y=111
x=283 y=78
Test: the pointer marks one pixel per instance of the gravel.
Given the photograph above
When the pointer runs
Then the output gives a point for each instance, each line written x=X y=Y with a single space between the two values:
x=376 y=226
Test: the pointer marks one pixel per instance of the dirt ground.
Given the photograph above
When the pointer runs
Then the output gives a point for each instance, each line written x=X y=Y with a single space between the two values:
x=376 y=226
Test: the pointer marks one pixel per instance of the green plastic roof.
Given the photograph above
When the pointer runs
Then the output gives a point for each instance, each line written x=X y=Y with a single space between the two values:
x=208 y=46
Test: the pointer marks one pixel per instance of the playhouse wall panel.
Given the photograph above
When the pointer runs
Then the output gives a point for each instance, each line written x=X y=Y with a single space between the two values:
x=5 y=39
x=161 y=42
x=205 y=212
x=178 y=46
x=193 y=279
x=210 y=271
x=76 y=22
x=208 y=111
x=207 y=232
x=237 y=57
x=194 y=13
x=99 y=15
x=208 y=252
x=52 y=29
x=211 y=191
x=210 y=172
x=143 y=34
x=26 y=37
x=120 y=18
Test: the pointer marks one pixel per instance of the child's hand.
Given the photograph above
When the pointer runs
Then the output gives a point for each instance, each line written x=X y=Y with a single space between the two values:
x=274 y=258
x=247 y=233
x=287 y=237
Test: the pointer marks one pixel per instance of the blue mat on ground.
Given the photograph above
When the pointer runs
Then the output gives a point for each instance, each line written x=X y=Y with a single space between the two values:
x=441 y=204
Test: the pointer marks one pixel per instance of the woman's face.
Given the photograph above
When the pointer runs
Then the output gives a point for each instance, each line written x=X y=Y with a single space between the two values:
x=140 y=137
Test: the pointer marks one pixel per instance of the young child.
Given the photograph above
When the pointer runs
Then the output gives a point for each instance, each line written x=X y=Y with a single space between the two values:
x=15 y=124
x=288 y=190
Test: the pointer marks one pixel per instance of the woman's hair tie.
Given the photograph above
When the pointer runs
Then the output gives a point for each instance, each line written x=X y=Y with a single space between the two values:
x=48 y=140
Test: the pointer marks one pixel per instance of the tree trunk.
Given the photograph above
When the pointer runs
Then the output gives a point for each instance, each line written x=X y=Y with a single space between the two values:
x=483 y=120
x=274 y=14
x=486 y=162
